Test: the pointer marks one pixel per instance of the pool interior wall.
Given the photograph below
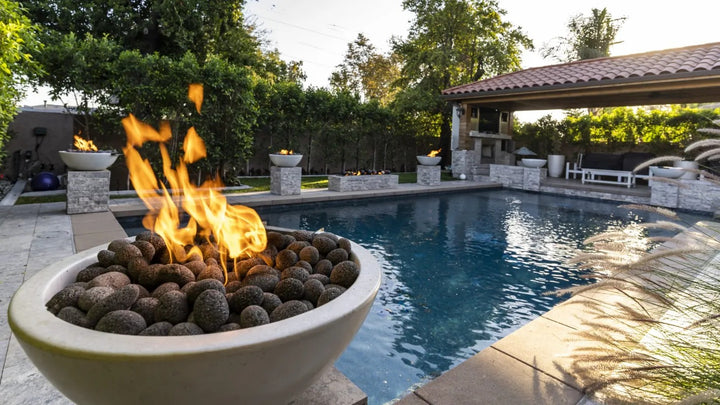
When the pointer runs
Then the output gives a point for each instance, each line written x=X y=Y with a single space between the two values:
x=461 y=271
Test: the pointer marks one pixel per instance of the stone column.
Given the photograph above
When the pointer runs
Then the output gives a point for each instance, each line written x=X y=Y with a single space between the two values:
x=461 y=163
x=88 y=191
x=664 y=194
x=428 y=175
x=285 y=180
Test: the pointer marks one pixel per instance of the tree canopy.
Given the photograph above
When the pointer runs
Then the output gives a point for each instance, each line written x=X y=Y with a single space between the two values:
x=588 y=37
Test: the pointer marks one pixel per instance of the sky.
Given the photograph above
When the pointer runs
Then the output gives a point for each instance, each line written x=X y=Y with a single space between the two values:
x=317 y=32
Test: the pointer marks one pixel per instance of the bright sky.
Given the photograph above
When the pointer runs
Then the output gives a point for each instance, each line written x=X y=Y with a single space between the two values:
x=318 y=31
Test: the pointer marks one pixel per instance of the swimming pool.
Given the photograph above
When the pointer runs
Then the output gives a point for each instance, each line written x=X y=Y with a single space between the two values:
x=460 y=272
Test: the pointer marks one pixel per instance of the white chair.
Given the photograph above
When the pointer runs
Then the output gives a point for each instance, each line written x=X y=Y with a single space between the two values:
x=575 y=169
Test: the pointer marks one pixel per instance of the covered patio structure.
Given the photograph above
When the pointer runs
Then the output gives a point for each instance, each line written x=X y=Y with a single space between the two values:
x=484 y=109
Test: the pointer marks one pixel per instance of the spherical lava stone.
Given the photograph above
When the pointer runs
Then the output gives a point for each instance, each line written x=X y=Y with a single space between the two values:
x=67 y=297
x=123 y=322
x=208 y=284
x=344 y=273
x=165 y=287
x=313 y=288
x=92 y=296
x=266 y=282
x=310 y=254
x=185 y=329
x=288 y=310
x=147 y=249
x=295 y=272
x=176 y=273
x=297 y=246
x=337 y=255
x=127 y=252
x=146 y=308
x=270 y=302
x=157 y=329
x=289 y=289
x=73 y=315
x=285 y=259
x=211 y=310
x=105 y=258
x=328 y=295
x=113 y=279
x=123 y=298
x=173 y=307
x=244 y=297
x=324 y=266
x=324 y=244
x=253 y=315
x=91 y=272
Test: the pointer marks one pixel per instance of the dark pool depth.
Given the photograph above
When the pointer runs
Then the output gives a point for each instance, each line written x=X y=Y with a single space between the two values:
x=460 y=272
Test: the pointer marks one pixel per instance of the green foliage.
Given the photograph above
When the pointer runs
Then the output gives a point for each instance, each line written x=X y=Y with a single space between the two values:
x=588 y=37
x=17 y=42
x=545 y=136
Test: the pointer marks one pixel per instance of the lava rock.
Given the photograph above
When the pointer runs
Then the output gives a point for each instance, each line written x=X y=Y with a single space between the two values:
x=146 y=308
x=263 y=269
x=73 y=315
x=328 y=235
x=92 y=296
x=176 y=273
x=157 y=242
x=312 y=290
x=320 y=277
x=270 y=302
x=323 y=266
x=185 y=329
x=345 y=244
x=90 y=272
x=173 y=307
x=146 y=248
x=337 y=255
x=289 y=289
x=253 y=315
x=285 y=259
x=157 y=329
x=212 y=272
x=149 y=277
x=288 y=310
x=302 y=235
x=297 y=246
x=209 y=251
x=266 y=282
x=308 y=304
x=67 y=297
x=243 y=266
x=123 y=322
x=323 y=244
x=113 y=279
x=198 y=287
x=328 y=295
x=196 y=266
x=127 y=252
x=295 y=272
x=344 y=273
x=310 y=254
x=232 y=286
x=135 y=267
x=121 y=299
x=276 y=239
x=230 y=326
x=165 y=287
x=117 y=244
x=106 y=257
x=211 y=310
x=244 y=297
x=305 y=265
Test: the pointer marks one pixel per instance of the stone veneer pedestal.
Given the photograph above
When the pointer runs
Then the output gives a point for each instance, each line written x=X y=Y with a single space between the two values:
x=362 y=183
x=285 y=180
x=428 y=175
x=88 y=191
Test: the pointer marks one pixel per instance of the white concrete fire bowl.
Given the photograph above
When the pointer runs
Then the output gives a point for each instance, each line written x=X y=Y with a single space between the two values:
x=428 y=160
x=268 y=364
x=87 y=161
x=533 y=163
x=670 y=172
x=281 y=160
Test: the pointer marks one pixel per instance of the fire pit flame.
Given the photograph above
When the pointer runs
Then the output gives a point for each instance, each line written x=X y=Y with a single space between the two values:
x=285 y=152
x=85 y=145
x=434 y=153
x=237 y=230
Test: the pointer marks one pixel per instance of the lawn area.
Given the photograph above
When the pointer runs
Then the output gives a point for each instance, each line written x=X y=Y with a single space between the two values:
x=255 y=183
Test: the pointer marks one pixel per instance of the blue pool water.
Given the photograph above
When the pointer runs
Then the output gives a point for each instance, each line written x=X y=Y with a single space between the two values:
x=460 y=272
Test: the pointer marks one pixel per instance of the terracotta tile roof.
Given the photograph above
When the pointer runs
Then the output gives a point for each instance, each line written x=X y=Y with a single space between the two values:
x=699 y=58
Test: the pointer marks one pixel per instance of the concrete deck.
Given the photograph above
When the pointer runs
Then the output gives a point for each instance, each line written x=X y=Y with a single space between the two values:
x=521 y=368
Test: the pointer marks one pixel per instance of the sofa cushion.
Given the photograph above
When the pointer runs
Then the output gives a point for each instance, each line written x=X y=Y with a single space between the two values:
x=630 y=160
x=606 y=161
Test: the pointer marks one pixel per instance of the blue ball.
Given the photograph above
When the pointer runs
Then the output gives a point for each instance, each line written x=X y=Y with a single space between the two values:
x=44 y=181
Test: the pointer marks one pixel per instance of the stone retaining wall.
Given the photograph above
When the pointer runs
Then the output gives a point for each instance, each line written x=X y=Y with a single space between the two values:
x=362 y=183
x=518 y=177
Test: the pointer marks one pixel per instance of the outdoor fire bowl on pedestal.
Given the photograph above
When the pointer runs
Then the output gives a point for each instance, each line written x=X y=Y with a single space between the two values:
x=534 y=163
x=267 y=364
x=282 y=160
x=87 y=161
x=428 y=160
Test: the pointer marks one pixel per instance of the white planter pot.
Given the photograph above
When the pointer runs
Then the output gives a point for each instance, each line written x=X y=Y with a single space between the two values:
x=555 y=164
x=687 y=164
x=267 y=364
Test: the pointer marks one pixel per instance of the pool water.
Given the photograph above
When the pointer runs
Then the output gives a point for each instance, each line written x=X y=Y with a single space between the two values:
x=460 y=271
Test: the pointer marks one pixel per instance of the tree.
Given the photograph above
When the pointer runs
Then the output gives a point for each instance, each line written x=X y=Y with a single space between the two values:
x=588 y=37
x=453 y=42
x=17 y=42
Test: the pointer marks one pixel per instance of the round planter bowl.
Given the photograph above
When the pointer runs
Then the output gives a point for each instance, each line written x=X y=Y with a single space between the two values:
x=428 y=160
x=87 y=161
x=534 y=163
x=285 y=160
x=667 y=171
x=268 y=364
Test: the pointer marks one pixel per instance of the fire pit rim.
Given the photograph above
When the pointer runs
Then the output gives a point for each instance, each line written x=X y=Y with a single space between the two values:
x=44 y=329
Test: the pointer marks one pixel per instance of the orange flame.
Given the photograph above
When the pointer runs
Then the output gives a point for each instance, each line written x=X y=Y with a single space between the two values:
x=434 y=153
x=85 y=145
x=285 y=152
x=237 y=230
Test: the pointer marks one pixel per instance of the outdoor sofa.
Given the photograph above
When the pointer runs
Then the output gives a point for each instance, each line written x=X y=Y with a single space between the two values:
x=609 y=168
